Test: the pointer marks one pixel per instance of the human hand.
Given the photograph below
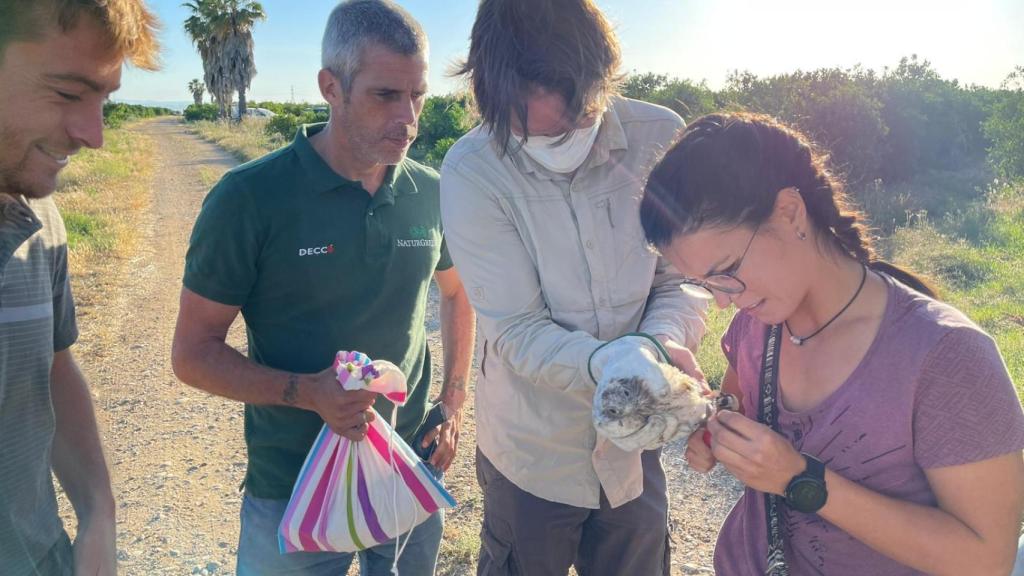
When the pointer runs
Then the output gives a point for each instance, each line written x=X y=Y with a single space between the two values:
x=698 y=453
x=756 y=455
x=447 y=436
x=622 y=357
x=94 y=549
x=681 y=357
x=642 y=403
x=627 y=376
x=347 y=412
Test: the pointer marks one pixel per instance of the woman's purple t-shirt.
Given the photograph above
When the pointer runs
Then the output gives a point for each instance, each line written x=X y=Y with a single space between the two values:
x=932 y=391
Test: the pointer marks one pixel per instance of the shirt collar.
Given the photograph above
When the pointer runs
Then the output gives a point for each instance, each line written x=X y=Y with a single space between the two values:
x=322 y=178
x=397 y=182
x=611 y=137
x=18 y=222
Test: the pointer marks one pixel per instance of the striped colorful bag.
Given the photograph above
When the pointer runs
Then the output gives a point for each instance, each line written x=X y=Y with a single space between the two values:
x=356 y=495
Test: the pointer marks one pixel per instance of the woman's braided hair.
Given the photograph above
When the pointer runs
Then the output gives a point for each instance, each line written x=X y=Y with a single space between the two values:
x=727 y=170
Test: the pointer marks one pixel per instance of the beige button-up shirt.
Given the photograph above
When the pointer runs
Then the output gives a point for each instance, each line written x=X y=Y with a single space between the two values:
x=556 y=264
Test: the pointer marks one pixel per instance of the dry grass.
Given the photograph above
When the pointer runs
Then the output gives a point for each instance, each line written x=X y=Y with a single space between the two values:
x=246 y=141
x=102 y=196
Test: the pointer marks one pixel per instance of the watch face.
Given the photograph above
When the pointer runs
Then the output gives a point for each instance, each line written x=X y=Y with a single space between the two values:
x=806 y=495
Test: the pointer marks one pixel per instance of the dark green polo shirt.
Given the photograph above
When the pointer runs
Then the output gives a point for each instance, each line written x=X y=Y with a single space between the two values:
x=318 y=265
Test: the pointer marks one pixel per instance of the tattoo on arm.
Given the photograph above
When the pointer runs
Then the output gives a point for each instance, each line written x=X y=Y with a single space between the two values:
x=456 y=384
x=291 y=390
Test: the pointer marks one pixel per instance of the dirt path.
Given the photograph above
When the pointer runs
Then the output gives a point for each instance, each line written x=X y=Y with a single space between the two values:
x=178 y=454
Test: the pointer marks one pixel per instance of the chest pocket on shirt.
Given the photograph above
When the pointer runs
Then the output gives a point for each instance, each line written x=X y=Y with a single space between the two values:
x=633 y=262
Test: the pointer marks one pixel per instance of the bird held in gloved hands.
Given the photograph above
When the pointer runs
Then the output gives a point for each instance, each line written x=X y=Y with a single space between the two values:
x=644 y=402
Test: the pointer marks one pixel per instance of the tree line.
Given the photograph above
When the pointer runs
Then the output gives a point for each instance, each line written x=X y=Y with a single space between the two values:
x=115 y=114
x=905 y=126
x=906 y=140
x=887 y=133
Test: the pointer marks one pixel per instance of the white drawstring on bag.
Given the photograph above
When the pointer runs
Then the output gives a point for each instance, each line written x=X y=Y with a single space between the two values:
x=394 y=493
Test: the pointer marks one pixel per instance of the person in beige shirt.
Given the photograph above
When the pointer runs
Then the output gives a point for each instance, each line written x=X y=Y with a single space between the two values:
x=540 y=210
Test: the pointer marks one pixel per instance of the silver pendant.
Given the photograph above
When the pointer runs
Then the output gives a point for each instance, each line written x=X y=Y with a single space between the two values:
x=796 y=340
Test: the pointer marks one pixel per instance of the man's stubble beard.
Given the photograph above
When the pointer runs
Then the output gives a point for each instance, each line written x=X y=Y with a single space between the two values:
x=11 y=180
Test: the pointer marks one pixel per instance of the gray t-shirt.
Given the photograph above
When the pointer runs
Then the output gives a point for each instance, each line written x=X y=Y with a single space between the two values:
x=932 y=391
x=37 y=317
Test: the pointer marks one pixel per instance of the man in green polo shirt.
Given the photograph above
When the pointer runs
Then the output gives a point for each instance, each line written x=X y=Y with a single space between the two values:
x=328 y=244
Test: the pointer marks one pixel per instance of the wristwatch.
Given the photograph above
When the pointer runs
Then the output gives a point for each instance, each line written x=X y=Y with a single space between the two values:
x=806 y=492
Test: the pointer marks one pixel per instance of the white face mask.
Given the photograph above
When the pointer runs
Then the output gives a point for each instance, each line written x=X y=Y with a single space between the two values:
x=567 y=156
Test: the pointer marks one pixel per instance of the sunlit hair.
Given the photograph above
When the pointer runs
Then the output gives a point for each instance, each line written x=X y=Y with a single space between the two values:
x=563 y=46
x=129 y=26
x=726 y=170
x=356 y=24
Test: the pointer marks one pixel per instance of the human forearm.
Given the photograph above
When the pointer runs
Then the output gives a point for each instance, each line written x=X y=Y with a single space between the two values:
x=672 y=312
x=201 y=358
x=926 y=538
x=458 y=329
x=213 y=366
x=78 y=460
x=972 y=529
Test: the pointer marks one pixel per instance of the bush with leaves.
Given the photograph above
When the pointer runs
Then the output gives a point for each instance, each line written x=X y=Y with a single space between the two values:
x=286 y=124
x=443 y=120
x=1005 y=127
x=195 y=113
x=688 y=99
x=293 y=108
x=115 y=114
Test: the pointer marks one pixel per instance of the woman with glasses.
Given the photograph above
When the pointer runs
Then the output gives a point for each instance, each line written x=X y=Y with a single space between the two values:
x=880 y=432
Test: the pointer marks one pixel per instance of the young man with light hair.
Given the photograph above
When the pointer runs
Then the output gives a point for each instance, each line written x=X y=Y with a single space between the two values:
x=59 y=61
x=540 y=207
x=329 y=244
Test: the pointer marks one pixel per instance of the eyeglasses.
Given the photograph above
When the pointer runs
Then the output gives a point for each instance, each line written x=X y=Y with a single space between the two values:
x=726 y=282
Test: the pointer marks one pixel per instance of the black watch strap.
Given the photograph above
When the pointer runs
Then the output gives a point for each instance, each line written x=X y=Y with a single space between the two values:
x=807 y=492
x=815 y=467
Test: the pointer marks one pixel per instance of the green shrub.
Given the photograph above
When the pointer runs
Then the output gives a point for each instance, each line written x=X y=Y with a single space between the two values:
x=286 y=125
x=293 y=108
x=195 y=113
x=436 y=154
x=1005 y=127
x=115 y=114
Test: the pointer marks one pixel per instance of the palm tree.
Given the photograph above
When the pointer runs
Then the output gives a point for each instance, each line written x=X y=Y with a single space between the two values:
x=199 y=28
x=197 y=89
x=222 y=33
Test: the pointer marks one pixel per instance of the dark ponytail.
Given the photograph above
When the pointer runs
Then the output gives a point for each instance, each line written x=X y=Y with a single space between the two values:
x=727 y=169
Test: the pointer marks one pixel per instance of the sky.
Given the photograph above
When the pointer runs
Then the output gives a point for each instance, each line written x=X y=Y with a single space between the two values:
x=978 y=42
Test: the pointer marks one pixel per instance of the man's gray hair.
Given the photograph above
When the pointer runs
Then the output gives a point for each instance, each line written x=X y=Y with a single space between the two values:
x=355 y=24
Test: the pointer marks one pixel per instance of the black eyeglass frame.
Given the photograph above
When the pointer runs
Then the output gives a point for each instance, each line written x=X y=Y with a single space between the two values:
x=732 y=285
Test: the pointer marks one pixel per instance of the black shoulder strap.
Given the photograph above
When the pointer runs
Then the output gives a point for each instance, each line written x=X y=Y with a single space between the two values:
x=768 y=414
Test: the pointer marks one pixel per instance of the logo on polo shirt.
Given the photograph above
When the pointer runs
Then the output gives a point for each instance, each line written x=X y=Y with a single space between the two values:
x=419 y=237
x=316 y=250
